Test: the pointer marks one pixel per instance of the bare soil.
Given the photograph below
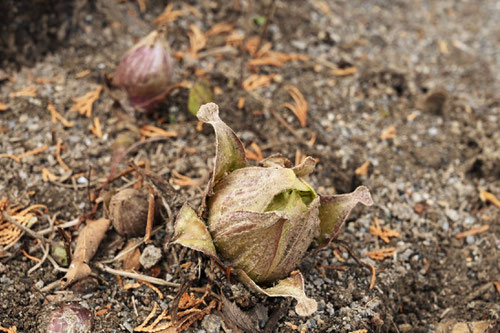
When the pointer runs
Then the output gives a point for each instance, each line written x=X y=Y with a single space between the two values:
x=428 y=68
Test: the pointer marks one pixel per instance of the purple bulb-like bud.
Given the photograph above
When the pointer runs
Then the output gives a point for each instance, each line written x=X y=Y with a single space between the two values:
x=145 y=71
x=70 y=317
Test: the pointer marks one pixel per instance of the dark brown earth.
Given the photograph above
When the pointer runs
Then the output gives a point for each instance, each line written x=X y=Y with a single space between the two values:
x=428 y=68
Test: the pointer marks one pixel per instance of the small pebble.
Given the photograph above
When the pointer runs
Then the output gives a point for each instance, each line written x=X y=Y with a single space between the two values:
x=150 y=256
x=469 y=239
x=82 y=180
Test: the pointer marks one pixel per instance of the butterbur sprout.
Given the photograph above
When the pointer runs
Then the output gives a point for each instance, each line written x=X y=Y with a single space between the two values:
x=262 y=219
x=146 y=71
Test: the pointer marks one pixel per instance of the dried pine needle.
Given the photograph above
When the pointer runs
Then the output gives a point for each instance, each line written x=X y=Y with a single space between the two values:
x=25 y=92
x=381 y=254
x=58 y=155
x=96 y=128
x=385 y=234
x=255 y=81
x=300 y=106
x=389 y=133
x=83 y=105
x=490 y=197
x=254 y=154
x=48 y=176
x=473 y=231
x=197 y=40
x=168 y=15
x=56 y=116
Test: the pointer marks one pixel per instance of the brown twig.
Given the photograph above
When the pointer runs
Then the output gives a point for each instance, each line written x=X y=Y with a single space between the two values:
x=362 y=263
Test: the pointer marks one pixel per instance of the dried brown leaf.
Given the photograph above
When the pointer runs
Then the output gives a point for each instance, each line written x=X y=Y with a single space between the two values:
x=86 y=246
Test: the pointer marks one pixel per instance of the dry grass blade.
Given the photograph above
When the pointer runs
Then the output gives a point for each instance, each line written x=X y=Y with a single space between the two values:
x=197 y=40
x=83 y=105
x=168 y=15
x=299 y=109
x=381 y=254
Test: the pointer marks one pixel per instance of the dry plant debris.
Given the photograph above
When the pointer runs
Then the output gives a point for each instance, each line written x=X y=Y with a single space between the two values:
x=190 y=314
x=182 y=180
x=197 y=40
x=3 y=106
x=389 y=133
x=9 y=233
x=344 y=71
x=26 y=92
x=363 y=330
x=149 y=131
x=96 y=128
x=83 y=105
x=86 y=246
x=299 y=109
x=255 y=81
x=220 y=28
x=241 y=103
x=472 y=232
x=363 y=169
x=12 y=329
x=486 y=196
x=168 y=15
x=58 y=155
x=19 y=157
x=82 y=74
x=381 y=254
x=255 y=153
x=48 y=176
x=385 y=234
x=56 y=116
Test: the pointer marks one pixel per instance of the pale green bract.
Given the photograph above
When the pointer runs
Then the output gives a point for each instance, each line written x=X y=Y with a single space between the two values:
x=261 y=220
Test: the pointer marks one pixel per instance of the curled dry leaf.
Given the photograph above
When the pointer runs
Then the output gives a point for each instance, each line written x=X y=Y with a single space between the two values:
x=86 y=246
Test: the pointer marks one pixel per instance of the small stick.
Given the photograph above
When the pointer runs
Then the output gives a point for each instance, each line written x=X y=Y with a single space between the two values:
x=362 y=263
x=138 y=276
x=65 y=225
x=285 y=124
x=151 y=214
x=45 y=255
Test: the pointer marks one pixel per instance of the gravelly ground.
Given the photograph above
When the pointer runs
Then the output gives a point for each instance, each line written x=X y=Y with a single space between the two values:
x=426 y=67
